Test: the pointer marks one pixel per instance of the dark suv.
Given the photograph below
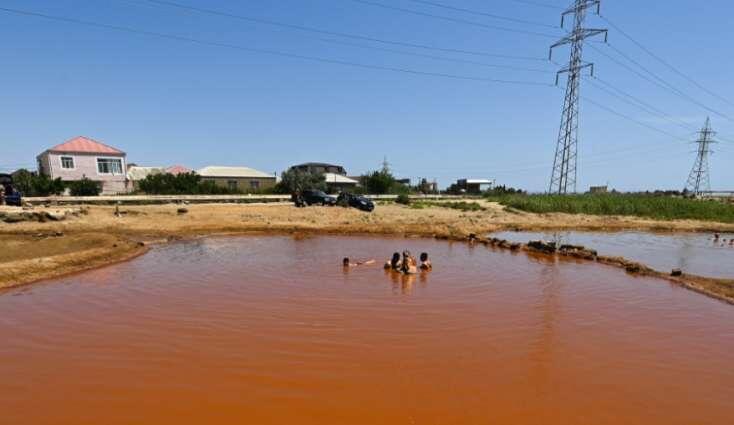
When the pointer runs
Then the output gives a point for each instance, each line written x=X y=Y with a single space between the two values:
x=355 y=201
x=318 y=197
x=12 y=196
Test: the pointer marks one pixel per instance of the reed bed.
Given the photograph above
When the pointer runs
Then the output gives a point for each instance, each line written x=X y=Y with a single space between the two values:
x=639 y=205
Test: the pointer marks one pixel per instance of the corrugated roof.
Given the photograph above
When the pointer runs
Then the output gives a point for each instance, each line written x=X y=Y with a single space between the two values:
x=139 y=173
x=217 y=171
x=83 y=144
x=338 y=178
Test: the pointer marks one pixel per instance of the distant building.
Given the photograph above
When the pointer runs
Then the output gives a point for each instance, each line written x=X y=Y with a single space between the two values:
x=339 y=182
x=472 y=186
x=135 y=174
x=320 y=168
x=335 y=175
x=598 y=189
x=178 y=169
x=83 y=157
x=237 y=178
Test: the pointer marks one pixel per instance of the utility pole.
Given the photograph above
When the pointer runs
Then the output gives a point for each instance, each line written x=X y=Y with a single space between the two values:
x=563 y=177
x=698 y=180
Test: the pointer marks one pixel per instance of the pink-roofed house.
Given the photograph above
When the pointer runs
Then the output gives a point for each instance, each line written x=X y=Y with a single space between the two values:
x=178 y=169
x=83 y=157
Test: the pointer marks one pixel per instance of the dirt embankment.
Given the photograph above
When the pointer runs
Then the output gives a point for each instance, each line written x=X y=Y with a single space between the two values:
x=31 y=251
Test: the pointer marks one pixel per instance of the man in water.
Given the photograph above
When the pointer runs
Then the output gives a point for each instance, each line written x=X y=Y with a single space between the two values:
x=347 y=263
x=425 y=262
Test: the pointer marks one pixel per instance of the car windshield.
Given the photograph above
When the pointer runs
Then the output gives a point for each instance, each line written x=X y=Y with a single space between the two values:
x=319 y=193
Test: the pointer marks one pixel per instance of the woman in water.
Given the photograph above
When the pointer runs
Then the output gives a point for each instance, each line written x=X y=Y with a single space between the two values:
x=409 y=266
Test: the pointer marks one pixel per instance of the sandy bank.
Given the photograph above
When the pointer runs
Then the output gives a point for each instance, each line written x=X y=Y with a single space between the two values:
x=37 y=250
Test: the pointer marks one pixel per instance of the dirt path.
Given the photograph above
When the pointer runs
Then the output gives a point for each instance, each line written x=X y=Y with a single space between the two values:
x=33 y=250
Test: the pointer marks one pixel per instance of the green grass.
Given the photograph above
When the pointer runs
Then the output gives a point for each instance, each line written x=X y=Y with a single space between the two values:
x=640 y=205
x=462 y=205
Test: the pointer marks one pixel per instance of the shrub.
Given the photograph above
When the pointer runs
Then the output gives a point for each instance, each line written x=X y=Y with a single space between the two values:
x=84 y=187
x=181 y=184
x=381 y=183
x=640 y=205
x=297 y=181
x=403 y=198
x=31 y=184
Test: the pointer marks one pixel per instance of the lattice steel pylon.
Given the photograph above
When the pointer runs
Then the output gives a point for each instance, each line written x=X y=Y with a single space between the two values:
x=563 y=177
x=698 y=180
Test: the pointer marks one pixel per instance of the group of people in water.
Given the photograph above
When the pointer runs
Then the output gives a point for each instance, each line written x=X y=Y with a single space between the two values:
x=406 y=263
x=722 y=241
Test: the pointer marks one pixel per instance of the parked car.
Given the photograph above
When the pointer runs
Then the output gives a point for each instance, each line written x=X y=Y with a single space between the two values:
x=10 y=195
x=318 y=197
x=355 y=201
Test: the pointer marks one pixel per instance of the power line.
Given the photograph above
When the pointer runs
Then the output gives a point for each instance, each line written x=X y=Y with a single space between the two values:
x=654 y=78
x=673 y=88
x=478 y=13
x=454 y=20
x=537 y=4
x=438 y=58
x=361 y=46
x=263 y=51
x=632 y=100
x=214 y=12
x=667 y=64
x=627 y=117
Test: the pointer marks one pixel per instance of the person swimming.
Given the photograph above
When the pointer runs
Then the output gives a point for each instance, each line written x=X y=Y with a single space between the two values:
x=409 y=266
x=347 y=263
x=394 y=263
x=425 y=262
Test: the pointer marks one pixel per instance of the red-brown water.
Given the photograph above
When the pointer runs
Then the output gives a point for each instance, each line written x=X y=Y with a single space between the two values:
x=272 y=330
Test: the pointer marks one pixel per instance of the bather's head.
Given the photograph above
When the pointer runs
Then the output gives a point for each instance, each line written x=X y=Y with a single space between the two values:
x=395 y=259
x=424 y=256
x=345 y=262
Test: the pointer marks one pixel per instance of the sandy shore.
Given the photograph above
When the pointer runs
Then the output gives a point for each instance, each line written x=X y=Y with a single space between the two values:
x=33 y=251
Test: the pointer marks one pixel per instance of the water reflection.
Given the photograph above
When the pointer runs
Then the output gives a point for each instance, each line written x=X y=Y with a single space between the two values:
x=403 y=284
x=542 y=347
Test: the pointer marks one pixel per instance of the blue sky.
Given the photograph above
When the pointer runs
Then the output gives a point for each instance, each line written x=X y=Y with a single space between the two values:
x=172 y=102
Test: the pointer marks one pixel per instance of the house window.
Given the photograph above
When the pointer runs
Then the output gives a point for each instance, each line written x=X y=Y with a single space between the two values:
x=67 y=162
x=254 y=184
x=109 y=166
x=232 y=184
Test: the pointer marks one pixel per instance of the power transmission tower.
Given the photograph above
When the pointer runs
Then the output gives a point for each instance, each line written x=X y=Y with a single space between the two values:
x=563 y=177
x=385 y=165
x=698 y=180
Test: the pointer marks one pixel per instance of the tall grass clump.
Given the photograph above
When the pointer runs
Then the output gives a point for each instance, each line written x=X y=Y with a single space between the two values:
x=640 y=205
